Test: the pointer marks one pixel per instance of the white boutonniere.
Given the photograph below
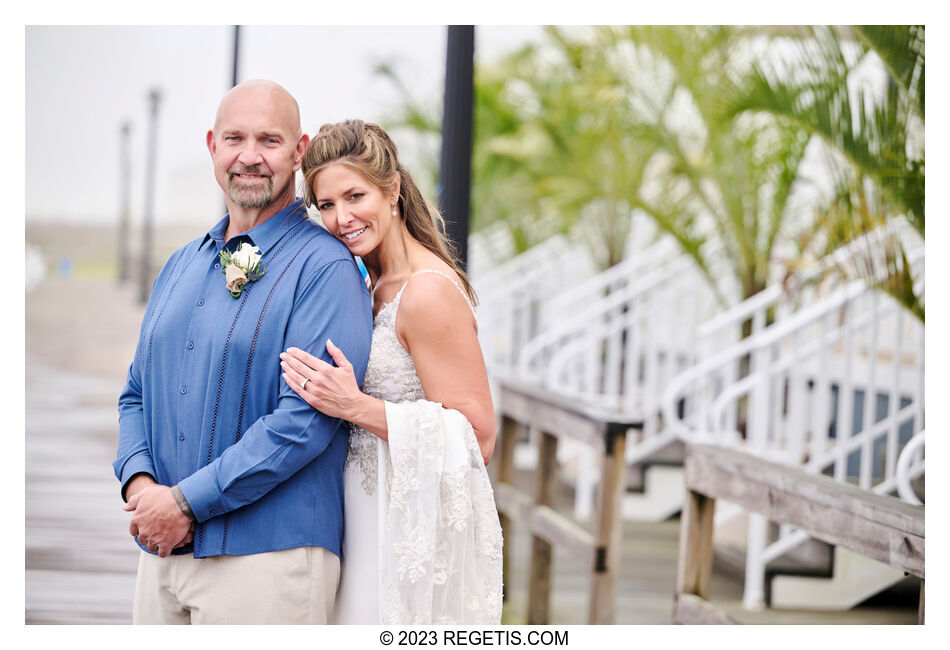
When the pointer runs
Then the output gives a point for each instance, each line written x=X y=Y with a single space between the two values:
x=240 y=267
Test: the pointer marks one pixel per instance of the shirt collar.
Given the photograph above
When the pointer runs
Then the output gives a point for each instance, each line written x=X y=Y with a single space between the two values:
x=263 y=235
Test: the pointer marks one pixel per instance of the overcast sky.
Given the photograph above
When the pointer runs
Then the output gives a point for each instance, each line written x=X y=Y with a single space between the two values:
x=82 y=82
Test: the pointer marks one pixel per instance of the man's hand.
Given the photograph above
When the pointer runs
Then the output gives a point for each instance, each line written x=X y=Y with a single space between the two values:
x=188 y=538
x=158 y=521
x=138 y=483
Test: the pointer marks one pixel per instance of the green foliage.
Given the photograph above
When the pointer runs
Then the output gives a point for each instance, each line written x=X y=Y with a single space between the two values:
x=876 y=128
x=704 y=129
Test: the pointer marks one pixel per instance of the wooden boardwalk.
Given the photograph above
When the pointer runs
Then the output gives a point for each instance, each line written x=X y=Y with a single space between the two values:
x=80 y=562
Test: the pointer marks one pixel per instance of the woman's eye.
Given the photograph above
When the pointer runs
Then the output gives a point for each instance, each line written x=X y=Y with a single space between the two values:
x=356 y=196
x=324 y=206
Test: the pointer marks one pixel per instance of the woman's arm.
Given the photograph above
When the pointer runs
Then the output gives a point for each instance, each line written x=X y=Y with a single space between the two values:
x=332 y=389
x=437 y=327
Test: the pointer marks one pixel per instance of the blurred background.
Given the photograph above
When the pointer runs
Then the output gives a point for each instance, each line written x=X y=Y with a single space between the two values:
x=714 y=234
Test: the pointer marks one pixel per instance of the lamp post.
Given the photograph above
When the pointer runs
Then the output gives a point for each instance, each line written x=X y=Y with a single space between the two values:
x=237 y=50
x=125 y=195
x=455 y=172
x=154 y=97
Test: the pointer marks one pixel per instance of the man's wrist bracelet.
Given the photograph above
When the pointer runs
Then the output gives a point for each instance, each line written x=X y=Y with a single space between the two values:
x=182 y=502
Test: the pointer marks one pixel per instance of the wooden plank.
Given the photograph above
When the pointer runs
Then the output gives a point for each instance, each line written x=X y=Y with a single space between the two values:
x=505 y=479
x=545 y=522
x=920 y=609
x=696 y=545
x=879 y=527
x=819 y=489
x=603 y=600
x=689 y=609
x=515 y=505
x=539 y=582
x=556 y=419
x=561 y=415
x=559 y=531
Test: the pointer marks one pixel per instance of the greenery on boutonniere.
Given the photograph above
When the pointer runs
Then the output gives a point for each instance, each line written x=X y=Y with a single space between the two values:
x=240 y=267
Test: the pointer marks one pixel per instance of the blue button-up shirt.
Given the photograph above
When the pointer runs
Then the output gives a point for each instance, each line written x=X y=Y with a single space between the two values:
x=205 y=406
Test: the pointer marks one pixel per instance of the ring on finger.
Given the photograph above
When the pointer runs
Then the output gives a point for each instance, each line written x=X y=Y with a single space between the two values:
x=303 y=384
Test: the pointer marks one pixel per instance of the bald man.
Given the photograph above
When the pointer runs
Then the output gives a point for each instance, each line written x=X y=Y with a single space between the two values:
x=234 y=483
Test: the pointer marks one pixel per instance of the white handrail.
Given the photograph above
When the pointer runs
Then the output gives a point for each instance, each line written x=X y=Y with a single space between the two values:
x=768 y=296
x=909 y=468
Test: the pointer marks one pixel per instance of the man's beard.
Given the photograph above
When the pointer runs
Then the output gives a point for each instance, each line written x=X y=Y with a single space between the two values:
x=258 y=195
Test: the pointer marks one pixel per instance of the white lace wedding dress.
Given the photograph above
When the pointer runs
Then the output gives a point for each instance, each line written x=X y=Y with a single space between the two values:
x=421 y=542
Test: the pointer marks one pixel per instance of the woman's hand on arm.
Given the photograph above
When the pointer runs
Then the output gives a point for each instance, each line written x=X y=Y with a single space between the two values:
x=332 y=389
x=437 y=327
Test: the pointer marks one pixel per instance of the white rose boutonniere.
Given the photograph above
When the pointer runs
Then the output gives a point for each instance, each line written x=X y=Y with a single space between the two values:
x=240 y=267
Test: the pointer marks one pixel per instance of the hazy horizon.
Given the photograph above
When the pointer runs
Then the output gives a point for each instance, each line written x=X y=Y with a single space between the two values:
x=83 y=82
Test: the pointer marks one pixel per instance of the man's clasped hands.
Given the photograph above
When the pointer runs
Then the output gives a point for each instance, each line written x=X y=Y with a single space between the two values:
x=157 y=520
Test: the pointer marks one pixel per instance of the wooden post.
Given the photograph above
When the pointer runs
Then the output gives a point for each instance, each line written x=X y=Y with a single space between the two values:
x=607 y=557
x=539 y=586
x=696 y=545
x=920 y=608
x=506 y=475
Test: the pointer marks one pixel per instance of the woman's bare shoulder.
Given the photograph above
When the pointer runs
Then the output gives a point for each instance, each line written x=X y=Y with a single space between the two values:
x=432 y=302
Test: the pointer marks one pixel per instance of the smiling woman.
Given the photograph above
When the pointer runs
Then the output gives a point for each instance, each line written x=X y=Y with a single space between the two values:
x=415 y=486
x=355 y=210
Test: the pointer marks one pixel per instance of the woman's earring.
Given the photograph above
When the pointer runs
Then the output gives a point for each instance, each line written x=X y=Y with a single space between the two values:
x=395 y=214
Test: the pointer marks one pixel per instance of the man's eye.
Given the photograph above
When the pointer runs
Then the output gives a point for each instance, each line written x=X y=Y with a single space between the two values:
x=232 y=138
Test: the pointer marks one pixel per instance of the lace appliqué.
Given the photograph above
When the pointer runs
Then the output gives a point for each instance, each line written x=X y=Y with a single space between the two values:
x=443 y=562
x=441 y=544
x=391 y=376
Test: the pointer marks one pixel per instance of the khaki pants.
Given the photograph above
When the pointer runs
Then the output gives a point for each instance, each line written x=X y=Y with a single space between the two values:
x=294 y=586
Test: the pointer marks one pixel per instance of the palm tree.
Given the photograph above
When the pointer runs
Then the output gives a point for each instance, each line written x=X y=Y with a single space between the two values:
x=874 y=129
x=714 y=175
x=576 y=133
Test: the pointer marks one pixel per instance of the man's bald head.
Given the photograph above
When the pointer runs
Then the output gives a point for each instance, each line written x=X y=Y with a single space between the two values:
x=256 y=147
x=262 y=92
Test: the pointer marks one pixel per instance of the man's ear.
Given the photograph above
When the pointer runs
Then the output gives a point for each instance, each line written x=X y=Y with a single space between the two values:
x=210 y=142
x=301 y=149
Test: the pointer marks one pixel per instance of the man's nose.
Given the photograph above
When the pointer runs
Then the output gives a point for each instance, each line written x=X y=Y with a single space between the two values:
x=250 y=155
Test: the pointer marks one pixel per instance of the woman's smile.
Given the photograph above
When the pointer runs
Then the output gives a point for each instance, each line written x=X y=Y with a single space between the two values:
x=353 y=235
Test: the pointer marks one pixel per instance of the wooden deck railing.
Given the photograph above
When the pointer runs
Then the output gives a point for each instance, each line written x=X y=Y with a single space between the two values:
x=880 y=527
x=555 y=418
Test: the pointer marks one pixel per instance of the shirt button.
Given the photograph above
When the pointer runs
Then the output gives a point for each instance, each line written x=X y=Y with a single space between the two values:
x=201 y=302
x=191 y=346
x=183 y=390
x=181 y=436
x=212 y=512
x=217 y=265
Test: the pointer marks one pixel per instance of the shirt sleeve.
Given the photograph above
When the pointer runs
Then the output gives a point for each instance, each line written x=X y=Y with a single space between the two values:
x=334 y=304
x=133 y=455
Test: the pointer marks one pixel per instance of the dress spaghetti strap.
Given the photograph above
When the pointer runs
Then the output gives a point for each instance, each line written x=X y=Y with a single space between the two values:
x=447 y=277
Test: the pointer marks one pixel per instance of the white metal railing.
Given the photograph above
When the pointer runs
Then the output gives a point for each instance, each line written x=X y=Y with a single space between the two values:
x=489 y=248
x=910 y=466
x=513 y=297
x=835 y=387
x=614 y=341
x=804 y=287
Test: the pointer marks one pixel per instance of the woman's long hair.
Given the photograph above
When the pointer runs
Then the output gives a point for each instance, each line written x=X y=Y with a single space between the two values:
x=368 y=149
